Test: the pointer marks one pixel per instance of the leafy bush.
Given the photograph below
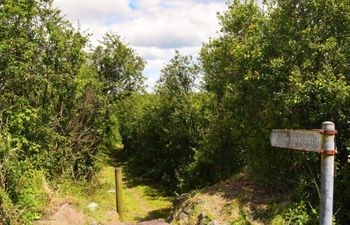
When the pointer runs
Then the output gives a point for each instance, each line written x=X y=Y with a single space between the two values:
x=55 y=104
x=22 y=196
x=301 y=213
x=161 y=131
x=284 y=66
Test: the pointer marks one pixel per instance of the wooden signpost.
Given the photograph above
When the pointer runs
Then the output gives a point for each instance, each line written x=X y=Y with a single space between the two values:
x=320 y=141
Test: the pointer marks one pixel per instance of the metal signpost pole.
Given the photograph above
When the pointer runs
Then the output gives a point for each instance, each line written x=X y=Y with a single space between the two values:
x=321 y=141
x=327 y=173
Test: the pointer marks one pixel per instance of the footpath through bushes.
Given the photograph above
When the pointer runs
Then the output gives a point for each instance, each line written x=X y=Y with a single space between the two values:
x=285 y=64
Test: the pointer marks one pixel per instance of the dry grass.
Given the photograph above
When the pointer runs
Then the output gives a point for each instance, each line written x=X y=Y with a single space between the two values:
x=238 y=201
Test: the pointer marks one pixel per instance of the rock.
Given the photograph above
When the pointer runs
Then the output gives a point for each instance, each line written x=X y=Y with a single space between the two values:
x=214 y=222
x=93 y=223
x=92 y=206
x=181 y=199
x=203 y=219
x=184 y=208
x=48 y=222
x=183 y=217
x=187 y=211
x=65 y=215
x=115 y=223
x=154 y=222
x=68 y=214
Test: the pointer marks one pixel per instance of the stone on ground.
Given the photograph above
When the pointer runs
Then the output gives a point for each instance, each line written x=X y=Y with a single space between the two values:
x=154 y=222
x=65 y=215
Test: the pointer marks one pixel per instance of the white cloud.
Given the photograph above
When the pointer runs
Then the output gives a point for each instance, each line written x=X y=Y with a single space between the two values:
x=154 y=53
x=92 y=11
x=179 y=25
x=153 y=27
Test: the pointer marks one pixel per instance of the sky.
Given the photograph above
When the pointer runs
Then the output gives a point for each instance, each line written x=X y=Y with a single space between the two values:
x=154 y=28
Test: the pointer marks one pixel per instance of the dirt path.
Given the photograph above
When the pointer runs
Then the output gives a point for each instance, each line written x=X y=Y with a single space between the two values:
x=95 y=205
x=142 y=202
x=67 y=214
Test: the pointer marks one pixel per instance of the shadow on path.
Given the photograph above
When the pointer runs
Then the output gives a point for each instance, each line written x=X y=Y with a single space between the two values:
x=144 y=200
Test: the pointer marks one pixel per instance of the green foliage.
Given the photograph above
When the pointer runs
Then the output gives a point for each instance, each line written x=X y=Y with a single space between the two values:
x=161 y=131
x=22 y=196
x=286 y=66
x=220 y=154
x=54 y=104
x=301 y=213
x=283 y=66
x=178 y=77
x=175 y=132
x=118 y=65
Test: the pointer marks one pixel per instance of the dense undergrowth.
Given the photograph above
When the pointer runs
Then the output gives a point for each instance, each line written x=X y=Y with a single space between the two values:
x=56 y=104
x=285 y=65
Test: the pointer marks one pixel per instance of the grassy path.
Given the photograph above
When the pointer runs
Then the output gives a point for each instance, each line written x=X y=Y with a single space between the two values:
x=142 y=202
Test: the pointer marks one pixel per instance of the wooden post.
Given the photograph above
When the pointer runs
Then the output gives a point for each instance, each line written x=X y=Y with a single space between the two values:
x=119 y=193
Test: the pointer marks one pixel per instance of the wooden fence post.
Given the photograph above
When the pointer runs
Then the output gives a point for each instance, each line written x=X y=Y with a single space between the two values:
x=119 y=192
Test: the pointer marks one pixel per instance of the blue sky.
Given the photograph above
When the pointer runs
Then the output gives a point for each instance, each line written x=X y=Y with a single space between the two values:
x=154 y=28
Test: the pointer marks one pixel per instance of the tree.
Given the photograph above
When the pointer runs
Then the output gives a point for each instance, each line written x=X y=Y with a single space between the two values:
x=283 y=67
x=178 y=76
x=50 y=120
x=161 y=131
x=118 y=65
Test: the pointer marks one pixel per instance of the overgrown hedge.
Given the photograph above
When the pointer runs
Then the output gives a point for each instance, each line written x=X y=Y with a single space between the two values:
x=283 y=65
x=56 y=104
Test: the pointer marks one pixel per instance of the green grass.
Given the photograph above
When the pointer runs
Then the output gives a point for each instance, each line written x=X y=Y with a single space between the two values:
x=142 y=202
